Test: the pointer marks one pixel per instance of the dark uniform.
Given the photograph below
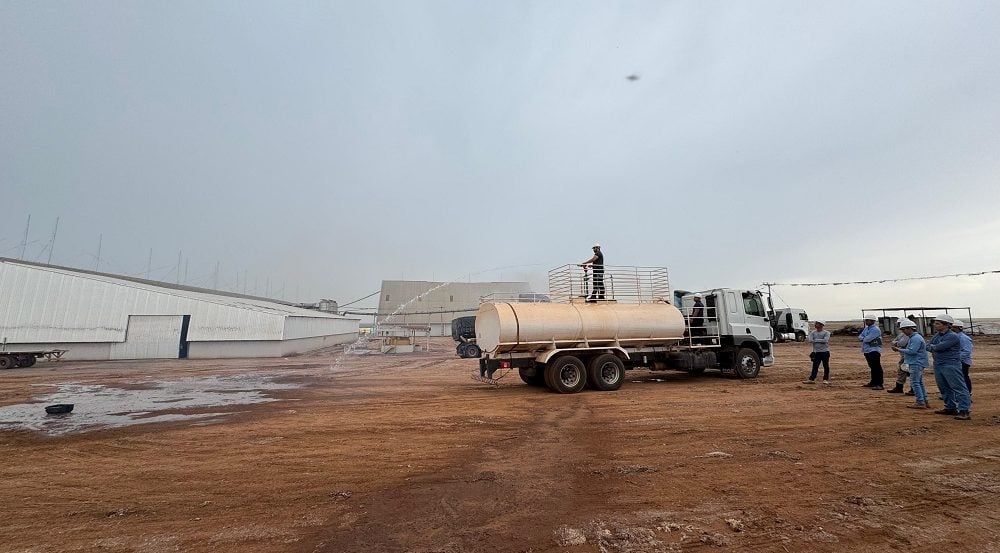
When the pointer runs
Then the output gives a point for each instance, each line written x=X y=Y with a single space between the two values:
x=598 y=293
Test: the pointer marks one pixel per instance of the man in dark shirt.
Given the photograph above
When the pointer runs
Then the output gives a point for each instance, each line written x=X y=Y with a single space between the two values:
x=597 y=264
x=698 y=317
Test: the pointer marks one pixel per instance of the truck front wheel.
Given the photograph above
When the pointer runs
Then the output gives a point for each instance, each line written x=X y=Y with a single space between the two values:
x=606 y=372
x=747 y=363
x=800 y=336
x=566 y=375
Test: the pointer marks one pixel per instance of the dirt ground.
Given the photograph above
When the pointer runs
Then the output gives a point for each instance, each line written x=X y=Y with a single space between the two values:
x=409 y=453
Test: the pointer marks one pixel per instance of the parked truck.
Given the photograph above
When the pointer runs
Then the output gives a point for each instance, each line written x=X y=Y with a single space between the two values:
x=790 y=323
x=572 y=342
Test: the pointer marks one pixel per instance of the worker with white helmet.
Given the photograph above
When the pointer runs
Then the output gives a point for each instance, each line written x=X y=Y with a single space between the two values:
x=820 y=340
x=946 y=347
x=596 y=263
x=871 y=346
x=898 y=344
x=914 y=354
x=965 y=353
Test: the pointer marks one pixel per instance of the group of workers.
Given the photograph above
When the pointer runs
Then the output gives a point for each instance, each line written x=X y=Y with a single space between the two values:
x=950 y=346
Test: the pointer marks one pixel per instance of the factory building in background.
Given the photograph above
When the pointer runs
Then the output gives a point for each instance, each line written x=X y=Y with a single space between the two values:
x=97 y=316
x=406 y=304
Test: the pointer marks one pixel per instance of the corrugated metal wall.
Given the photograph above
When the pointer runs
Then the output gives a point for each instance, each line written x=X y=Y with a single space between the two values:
x=45 y=304
x=310 y=327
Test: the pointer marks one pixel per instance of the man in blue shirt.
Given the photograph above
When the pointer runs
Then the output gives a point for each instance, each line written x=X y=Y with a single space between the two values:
x=914 y=354
x=871 y=346
x=946 y=347
x=965 y=351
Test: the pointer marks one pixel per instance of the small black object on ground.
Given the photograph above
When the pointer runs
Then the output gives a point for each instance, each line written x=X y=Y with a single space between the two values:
x=59 y=408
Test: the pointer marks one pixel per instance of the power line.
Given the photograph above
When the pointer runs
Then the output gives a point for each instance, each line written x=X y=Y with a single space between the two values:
x=880 y=281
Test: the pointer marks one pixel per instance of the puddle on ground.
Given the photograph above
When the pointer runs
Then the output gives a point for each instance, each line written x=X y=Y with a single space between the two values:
x=97 y=406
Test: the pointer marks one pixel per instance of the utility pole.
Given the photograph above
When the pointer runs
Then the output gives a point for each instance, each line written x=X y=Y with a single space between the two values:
x=179 y=266
x=215 y=277
x=24 y=243
x=244 y=282
x=149 y=263
x=100 y=242
x=52 y=243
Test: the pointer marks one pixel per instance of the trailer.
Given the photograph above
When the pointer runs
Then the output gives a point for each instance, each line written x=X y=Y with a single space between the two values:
x=13 y=359
x=574 y=342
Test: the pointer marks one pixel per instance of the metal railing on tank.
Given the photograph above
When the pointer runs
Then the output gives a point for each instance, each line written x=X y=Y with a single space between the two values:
x=619 y=283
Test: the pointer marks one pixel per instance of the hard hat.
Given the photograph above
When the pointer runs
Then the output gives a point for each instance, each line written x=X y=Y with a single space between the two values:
x=958 y=323
x=697 y=296
x=907 y=323
x=819 y=323
x=596 y=245
x=945 y=318
x=871 y=318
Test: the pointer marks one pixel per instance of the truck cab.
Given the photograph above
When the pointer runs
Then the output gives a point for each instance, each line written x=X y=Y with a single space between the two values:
x=790 y=323
x=735 y=318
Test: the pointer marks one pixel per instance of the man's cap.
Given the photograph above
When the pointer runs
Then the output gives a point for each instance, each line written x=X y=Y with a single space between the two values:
x=907 y=323
x=945 y=318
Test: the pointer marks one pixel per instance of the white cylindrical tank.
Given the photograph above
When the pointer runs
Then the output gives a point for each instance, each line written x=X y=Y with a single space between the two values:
x=520 y=327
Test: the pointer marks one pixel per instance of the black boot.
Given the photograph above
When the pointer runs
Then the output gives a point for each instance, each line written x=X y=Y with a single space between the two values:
x=897 y=390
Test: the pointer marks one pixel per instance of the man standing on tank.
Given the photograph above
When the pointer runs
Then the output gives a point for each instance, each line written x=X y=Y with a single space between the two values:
x=596 y=263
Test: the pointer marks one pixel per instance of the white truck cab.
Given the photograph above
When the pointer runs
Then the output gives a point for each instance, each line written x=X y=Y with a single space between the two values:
x=790 y=323
x=736 y=318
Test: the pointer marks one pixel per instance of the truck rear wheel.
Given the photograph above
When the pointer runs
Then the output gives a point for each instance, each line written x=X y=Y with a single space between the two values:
x=566 y=375
x=7 y=362
x=26 y=361
x=606 y=372
x=747 y=363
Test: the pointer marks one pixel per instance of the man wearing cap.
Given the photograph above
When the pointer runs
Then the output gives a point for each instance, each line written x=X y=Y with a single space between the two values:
x=597 y=265
x=871 y=346
x=914 y=354
x=946 y=347
x=965 y=353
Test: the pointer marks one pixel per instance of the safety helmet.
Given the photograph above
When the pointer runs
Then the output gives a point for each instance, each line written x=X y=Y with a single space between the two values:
x=945 y=318
x=958 y=323
x=871 y=318
x=596 y=245
x=820 y=322
x=907 y=323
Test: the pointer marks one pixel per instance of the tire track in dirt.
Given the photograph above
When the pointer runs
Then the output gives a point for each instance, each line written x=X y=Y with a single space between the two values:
x=508 y=496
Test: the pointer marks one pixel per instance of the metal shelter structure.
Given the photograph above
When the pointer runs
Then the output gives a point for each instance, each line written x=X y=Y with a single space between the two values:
x=891 y=315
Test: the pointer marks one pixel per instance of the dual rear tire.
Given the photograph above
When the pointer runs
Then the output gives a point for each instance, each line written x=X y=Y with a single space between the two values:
x=568 y=374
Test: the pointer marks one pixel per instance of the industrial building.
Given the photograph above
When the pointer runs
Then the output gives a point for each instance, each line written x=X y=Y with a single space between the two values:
x=404 y=303
x=96 y=316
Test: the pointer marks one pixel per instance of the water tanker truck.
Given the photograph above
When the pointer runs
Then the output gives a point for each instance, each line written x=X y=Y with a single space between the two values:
x=572 y=342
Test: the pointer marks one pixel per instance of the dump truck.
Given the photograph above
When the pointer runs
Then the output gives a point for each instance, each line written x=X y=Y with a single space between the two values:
x=574 y=342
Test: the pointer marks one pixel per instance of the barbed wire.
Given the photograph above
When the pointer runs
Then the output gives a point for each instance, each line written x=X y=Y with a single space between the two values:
x=881 y=281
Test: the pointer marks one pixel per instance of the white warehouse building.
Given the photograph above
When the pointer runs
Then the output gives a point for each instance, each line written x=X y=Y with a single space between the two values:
x=408 y=303
x=98 y=316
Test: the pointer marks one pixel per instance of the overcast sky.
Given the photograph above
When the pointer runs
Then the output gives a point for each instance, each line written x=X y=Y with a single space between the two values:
x=326 y=146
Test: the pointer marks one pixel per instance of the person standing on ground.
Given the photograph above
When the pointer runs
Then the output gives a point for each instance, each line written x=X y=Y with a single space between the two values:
x=871 y=346
x=898 y=344
x=965 y=352
x=596 y=263
x=946 y=347
x=820 y=340
x=914 y=354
